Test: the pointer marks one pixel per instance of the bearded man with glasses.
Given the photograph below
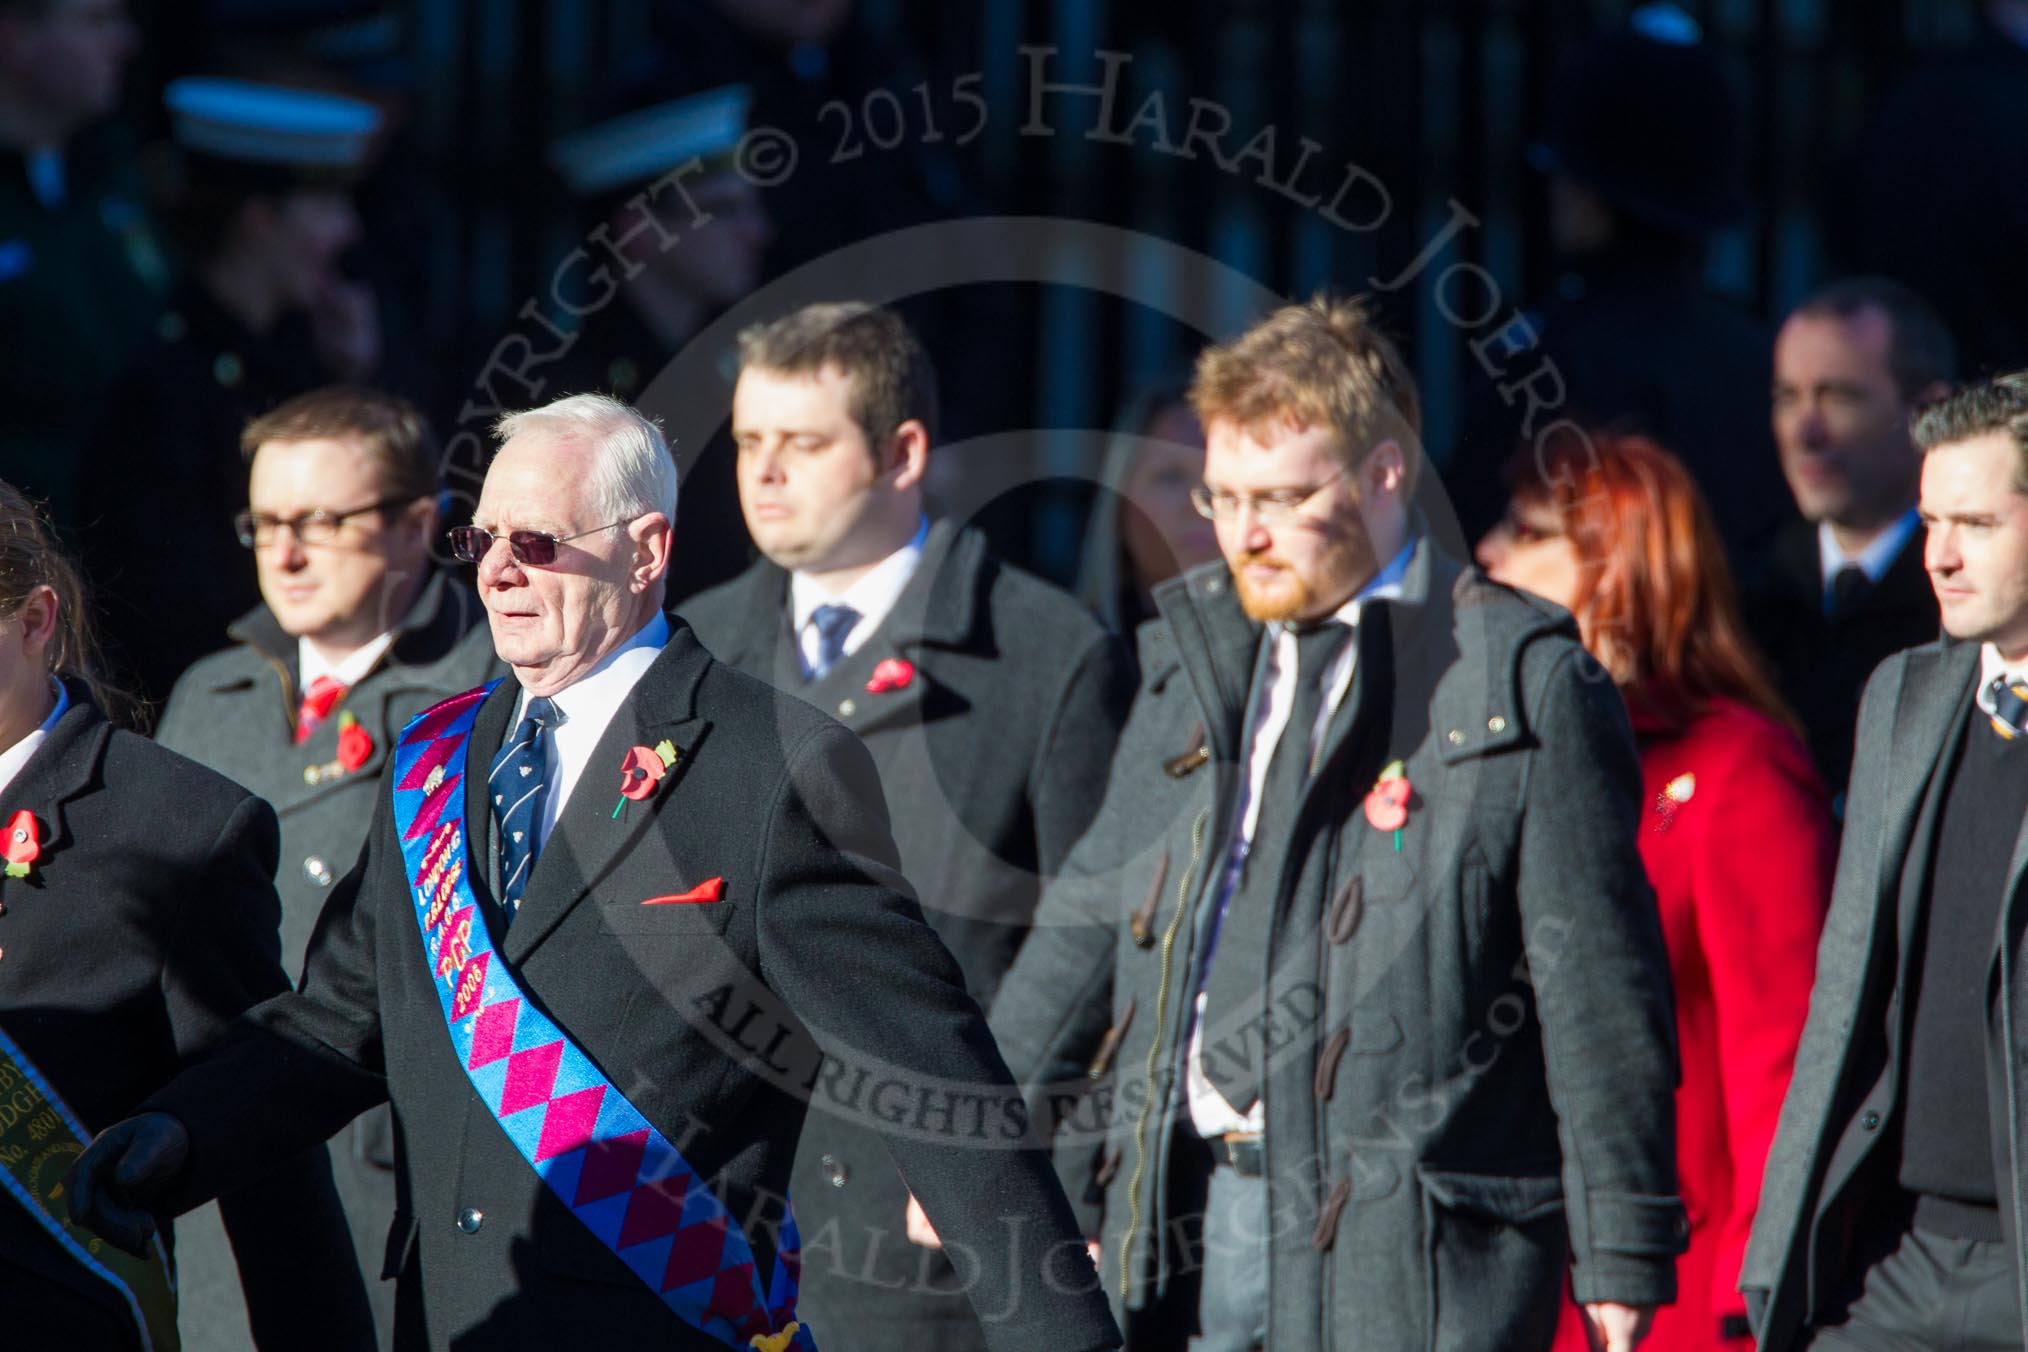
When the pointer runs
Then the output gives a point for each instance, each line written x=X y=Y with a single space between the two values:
x=356 y=633
x=1354 y=994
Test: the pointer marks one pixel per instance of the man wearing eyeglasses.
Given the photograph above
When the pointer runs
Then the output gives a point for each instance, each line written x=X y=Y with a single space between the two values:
x=357 y=633
x=607 y=914
x=1376 y=1007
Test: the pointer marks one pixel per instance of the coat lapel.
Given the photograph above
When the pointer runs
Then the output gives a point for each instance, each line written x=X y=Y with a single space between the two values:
x=1218 y=647
x=62 y=768
x=935 y=609
x=1936 y=692
x=589 y=841
x=489 y=732
x=1905 y=586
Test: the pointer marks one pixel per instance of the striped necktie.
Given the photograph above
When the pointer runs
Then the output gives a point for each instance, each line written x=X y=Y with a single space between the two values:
x=834 y=626
x=318 y=702
x=519 y=785
x=2009 y=698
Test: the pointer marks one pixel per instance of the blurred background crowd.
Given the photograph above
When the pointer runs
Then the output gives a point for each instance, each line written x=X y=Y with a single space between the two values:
x=1639 y=210
x=1737 y=244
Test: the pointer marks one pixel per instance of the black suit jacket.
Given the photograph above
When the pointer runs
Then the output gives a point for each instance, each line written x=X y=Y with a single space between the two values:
x=1822 y=664
x=1832 y=1173
x=707 y=1016
x=993 y=759
x=147 y=923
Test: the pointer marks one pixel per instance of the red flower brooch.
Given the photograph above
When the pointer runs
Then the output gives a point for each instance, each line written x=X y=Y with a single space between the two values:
x=642 y=770
x=24 y=843
x=355 y=744
x=1387 y=801
x=355 y=748
x=891 y=674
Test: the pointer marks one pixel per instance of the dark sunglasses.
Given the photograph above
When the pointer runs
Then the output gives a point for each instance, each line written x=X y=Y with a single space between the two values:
x=530 y=548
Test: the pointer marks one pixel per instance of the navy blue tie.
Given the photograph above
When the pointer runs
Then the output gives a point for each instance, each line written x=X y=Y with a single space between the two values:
x=833 y=623
x=519 y=784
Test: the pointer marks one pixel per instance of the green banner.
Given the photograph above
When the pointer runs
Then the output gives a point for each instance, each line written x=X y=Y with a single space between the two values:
x=39 y=1140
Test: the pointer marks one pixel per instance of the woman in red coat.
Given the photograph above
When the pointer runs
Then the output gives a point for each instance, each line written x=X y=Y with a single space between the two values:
x=1735 y=831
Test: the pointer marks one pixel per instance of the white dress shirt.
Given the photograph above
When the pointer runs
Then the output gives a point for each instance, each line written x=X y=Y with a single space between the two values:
x=1874 y=560
x=872 y=596
x=310 y=663
x=588 y=705
x=1209 y=1111
x=16 y=756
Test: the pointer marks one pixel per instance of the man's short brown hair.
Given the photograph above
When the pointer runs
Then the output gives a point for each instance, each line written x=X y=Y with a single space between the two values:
x=892 y=379
x=1986 y=406
x=396 y=435
x=1920 y=352
x=1322 y=364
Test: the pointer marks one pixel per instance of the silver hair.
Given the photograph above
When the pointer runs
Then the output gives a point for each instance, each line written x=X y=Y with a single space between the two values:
x=634 y=473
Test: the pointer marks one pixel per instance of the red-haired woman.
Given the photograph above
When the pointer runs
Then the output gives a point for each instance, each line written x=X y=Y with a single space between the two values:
x=1736 y=833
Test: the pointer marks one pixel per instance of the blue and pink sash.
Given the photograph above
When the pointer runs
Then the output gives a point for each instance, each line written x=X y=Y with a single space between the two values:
x=595 y=1151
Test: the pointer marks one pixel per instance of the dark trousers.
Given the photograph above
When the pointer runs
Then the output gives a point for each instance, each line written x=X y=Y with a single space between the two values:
x=1232 y=1307
x=1927 y=1293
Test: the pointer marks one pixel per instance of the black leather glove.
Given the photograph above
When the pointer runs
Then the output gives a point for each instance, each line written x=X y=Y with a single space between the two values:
x=116 y=1183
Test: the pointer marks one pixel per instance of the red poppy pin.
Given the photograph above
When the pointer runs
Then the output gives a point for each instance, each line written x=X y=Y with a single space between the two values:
x=1387 y=802
x=642 y=770
x=891 y=674
x=24 y=843
x=355 y=744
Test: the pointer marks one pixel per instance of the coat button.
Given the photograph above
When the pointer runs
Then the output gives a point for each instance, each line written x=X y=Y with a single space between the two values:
x=470 y=1219
x=317 y=871
x=1870 y=1121
x=1496 y=724
x=847 y=708
x=1454 y=737
x=834 y=1170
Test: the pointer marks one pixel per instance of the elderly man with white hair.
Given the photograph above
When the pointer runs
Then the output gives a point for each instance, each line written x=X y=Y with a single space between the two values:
x=610 y=911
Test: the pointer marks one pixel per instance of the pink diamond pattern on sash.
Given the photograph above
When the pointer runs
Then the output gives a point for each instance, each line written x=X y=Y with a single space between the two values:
x=530 y=1077
x=550 y=1098
x=610 y=1168
x=697 y=1253
x=655 y=1210
x=569 y=1122
x=435 y=754
x=433 y=720
x=493 y=1033
x=433 y=807
x=729 y=1282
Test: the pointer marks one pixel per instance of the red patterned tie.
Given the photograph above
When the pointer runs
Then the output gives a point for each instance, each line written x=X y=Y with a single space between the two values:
x=318 y=701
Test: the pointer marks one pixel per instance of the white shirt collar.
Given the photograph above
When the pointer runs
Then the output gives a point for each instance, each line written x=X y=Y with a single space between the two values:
x=588 y=705
x=16 y=756
x=310 y=663
x=1875 y=559
x=873 y=595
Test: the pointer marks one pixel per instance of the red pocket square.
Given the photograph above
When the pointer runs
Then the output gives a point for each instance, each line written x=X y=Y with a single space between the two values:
x=711 y=889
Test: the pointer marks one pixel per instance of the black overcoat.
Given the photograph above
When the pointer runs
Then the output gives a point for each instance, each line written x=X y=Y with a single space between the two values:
x=1822 y=661
x=993 y=758
x=147 y=923
x=1466 y=1022
x=708 y=1015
